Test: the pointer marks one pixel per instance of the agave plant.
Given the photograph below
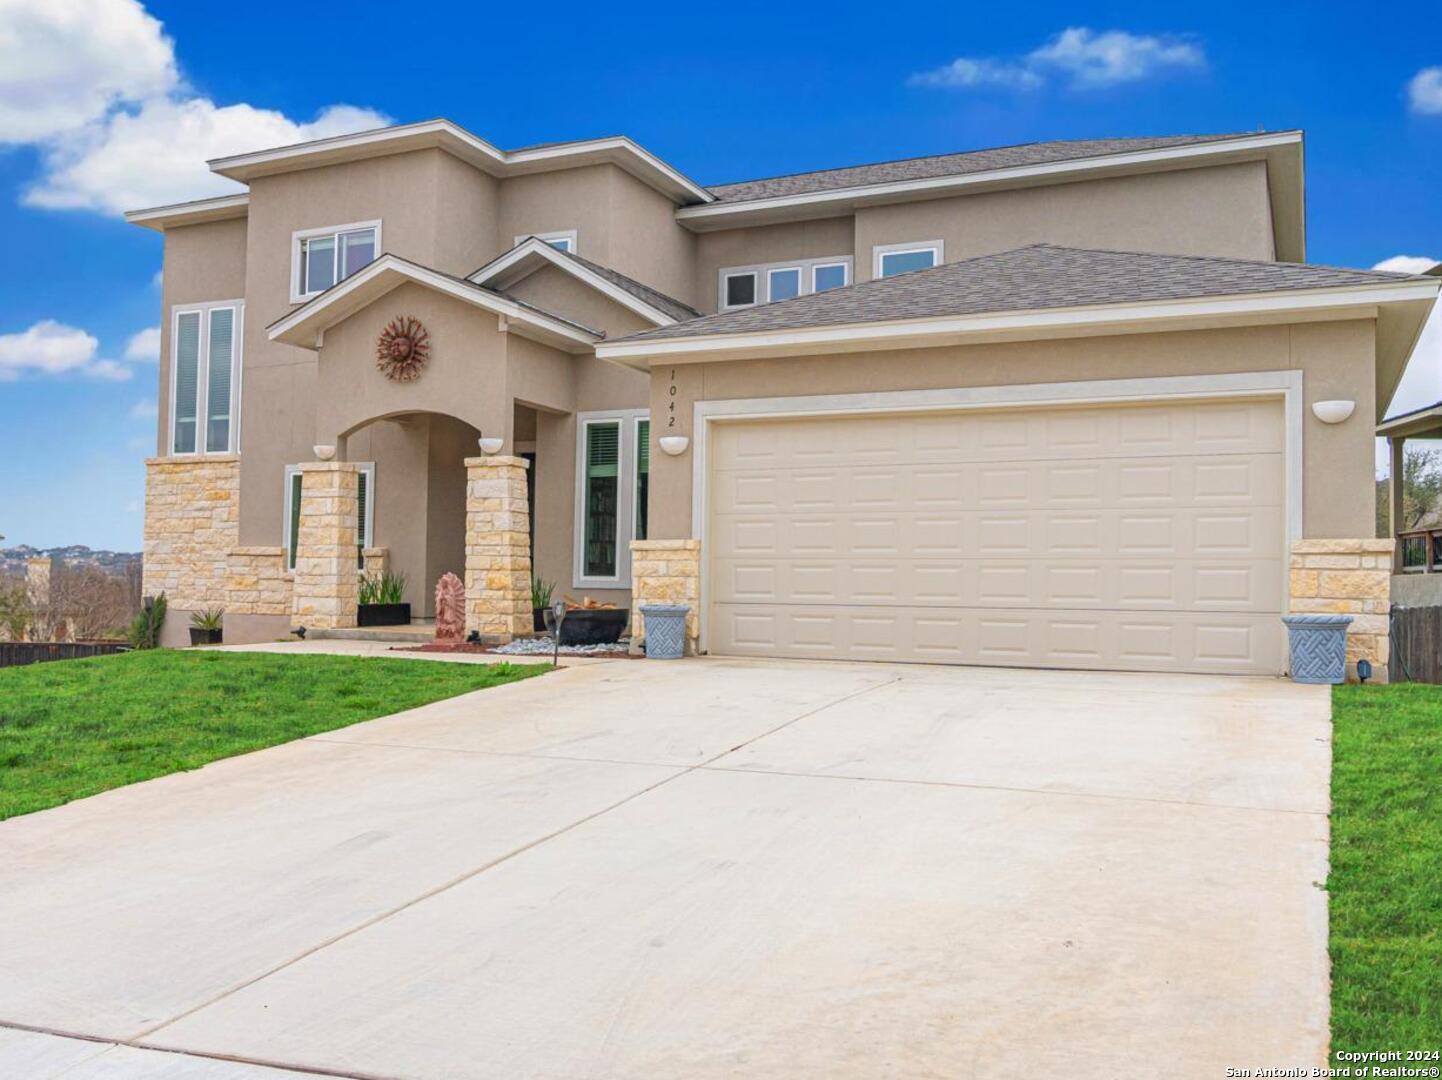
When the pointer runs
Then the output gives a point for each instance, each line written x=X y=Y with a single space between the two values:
x=208 y=618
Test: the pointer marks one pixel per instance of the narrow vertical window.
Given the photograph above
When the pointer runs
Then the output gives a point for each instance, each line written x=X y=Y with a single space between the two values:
x=643 y=474
x=603 y=454
x=362 y=530
x=187 y=381
x=220 y=370
x=292 y=532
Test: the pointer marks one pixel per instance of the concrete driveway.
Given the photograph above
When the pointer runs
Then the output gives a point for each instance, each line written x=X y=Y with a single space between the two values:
x=701 y=869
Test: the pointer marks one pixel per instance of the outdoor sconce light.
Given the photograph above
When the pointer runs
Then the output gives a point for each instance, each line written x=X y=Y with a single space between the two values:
x=324 y=453
x=1332 y=412
x=490 y=445
x=674 y=444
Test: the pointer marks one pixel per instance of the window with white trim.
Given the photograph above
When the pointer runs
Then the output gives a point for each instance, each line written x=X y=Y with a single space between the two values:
x=365 y=511
x=205 y=377
x=745 y=286
x=323 y=257
x=564 y=240
x=612 y=474
x=893 y=259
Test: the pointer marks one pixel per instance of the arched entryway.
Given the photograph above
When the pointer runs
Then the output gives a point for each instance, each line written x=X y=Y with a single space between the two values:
x=415 y=508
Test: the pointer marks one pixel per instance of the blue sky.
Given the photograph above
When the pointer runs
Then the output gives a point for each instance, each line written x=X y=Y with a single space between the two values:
x=106 y=104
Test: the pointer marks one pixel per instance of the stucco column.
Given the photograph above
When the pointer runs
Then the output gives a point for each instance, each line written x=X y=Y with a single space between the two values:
x=498 y=548
x=324 y=594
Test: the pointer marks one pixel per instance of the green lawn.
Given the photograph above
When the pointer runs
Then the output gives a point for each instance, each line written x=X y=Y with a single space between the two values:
x=1385 y=888
x=71 y=728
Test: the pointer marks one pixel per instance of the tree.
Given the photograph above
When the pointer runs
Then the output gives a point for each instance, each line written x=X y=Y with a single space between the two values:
x=14 y=609
x=1421 y=492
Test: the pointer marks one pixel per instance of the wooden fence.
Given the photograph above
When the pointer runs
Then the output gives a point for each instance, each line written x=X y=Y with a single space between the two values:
x=14 y=653
x=1416 y=654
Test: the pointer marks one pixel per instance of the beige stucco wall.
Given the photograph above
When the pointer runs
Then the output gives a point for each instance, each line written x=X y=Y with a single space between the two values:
x=556 y=290
x=1221 y=210
x=1336 y=359
x=200 y=264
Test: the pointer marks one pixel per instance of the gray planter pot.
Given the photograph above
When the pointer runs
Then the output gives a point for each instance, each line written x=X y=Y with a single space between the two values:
x=665 y=630
x=1318 y=647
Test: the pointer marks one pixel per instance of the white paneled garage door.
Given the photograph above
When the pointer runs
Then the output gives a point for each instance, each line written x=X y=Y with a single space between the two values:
x=1138 y=537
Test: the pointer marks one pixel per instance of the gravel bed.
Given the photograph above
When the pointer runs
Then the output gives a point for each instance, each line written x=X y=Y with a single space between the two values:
x=544 y=646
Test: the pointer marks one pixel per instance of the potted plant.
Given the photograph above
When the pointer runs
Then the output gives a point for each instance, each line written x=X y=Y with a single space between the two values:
x=206 y=626
x=593 y=623
x=380 y=600
x=540 y=601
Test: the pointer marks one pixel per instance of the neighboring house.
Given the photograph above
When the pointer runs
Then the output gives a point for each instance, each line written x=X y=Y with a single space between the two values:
x=1042 y=405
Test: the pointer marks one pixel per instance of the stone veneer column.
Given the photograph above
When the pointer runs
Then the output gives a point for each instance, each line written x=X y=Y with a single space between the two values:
x=192 y=524
x=1348 y=577
x=324 y=591
x=498 y=548
x=666 y=572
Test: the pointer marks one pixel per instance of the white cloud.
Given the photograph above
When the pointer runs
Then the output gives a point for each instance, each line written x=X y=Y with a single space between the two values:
x=1424 y=92
x=52 y=348
x=94 y=85
x=144 y=410
x=144 y=346
x=1422 y=381
x=65 y=63
x=1086 y=58
x=963 y=73
x=157 y=154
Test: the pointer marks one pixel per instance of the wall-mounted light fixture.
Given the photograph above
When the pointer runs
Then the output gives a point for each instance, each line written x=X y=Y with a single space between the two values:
x=1332 y=412
x=674 y=444
x=490 y=444
x=324 y=453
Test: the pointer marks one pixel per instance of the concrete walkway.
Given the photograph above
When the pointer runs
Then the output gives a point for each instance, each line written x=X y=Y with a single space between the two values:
x=702 y=869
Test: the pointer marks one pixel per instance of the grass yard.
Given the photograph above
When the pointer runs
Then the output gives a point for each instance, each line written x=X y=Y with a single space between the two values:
x=1385 y=888
x=71 y=728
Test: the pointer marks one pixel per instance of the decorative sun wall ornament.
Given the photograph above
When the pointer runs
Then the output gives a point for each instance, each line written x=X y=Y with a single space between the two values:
x=403 y=349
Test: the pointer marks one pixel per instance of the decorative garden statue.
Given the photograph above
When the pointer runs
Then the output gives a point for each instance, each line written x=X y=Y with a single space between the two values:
x=450 y=608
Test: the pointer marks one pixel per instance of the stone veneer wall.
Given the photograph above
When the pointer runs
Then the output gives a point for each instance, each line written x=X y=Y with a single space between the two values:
x=666 y=572
x=257 y=582
x=192 y=523
x=498 y=548
x=1348 y=577
x=326 y=582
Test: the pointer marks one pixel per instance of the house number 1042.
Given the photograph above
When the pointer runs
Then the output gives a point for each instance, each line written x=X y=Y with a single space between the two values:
x=671 y=405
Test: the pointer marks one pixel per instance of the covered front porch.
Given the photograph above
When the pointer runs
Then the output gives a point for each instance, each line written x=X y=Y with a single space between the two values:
x=1417 y=556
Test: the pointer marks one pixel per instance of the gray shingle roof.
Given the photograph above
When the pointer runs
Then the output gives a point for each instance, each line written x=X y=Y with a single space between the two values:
x=971 y=161
x=657 y=299
x=1033 y=278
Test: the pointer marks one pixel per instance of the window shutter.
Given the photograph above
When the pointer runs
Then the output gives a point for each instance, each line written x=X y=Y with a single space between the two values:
x=362 y=497
x=603 y=449
x=218 y=374
x=293 y=540
x=187 y=380
x=643 y=446
x=643 y=476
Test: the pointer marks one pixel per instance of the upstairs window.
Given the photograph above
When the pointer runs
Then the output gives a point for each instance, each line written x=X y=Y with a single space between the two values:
x=205 y=378
x=565 y=240
x=745 y=286
x=893 y=259
x=323 y=257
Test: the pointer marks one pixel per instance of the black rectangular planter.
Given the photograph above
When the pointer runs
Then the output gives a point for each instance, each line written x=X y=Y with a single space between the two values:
x=204 y=637
x=538 y=619
x=594 y=626
x=383 y=615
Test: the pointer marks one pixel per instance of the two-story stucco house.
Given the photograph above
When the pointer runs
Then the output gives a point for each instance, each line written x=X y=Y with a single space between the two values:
x=1045 y=405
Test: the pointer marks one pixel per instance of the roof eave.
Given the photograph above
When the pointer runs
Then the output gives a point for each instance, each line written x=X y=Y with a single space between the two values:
x=1194 y=313
x=455 y=140
x=305 y=327
x=195 y=212
x=1276 y=148
x=532 y=254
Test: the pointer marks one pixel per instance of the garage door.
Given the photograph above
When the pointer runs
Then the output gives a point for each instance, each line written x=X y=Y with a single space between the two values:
x=1143 y=537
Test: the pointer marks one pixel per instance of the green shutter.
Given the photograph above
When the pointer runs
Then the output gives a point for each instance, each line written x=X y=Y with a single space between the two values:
x=294 y=538
x=363 y=539
x=643 y=446
x=603 y=449
x=643 y=476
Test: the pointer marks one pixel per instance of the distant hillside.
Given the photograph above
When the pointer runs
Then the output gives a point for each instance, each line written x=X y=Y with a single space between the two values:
x=12 y=560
